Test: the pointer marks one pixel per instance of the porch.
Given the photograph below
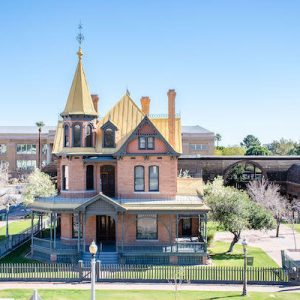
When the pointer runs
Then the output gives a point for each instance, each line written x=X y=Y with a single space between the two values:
x=148 y=236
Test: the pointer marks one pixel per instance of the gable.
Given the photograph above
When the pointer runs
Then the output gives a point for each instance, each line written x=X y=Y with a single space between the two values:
x=146 y=129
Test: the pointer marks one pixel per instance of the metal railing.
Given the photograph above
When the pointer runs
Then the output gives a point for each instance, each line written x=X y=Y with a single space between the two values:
x=59 y=247
x=180 y=247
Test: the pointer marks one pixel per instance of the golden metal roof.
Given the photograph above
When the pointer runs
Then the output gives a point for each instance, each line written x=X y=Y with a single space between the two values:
x=79 y=100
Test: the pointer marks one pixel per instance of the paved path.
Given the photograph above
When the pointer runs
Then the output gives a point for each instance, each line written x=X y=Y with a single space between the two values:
x=267 y=240
x=148 y=286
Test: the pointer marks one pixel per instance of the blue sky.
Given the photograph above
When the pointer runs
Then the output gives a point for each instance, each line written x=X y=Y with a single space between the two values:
x=234 y=64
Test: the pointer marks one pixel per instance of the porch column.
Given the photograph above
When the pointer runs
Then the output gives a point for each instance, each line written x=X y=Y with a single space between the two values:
x=51 y=235
x=32 y=217
x=79 y=232
x=84 y=230
x=116 y=230
x=176 y=232
x=54 y=224
x=123 y=214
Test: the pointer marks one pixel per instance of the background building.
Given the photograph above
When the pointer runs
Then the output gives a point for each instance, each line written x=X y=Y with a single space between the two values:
x=197 y=140
x=19 y=147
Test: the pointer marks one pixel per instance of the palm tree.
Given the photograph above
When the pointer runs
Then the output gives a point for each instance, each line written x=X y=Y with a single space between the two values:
x=218 y=138
x=39 y=125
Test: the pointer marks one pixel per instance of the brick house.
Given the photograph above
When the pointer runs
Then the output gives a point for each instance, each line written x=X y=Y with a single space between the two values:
x=118 y=185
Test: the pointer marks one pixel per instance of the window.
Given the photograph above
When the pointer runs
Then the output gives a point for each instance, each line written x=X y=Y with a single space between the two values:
x=44 y=149
x=88 y=136
x=26 y=149
x=90 y=177
x=146 y=142
x=186 y=227
x=77 y=136
x=75 y=226
x=3 y=148
x=66 y=136
x=198 y=147
x=26 y=165
x=150 y=142
x=65 y=178
x=142 y=142
x=146 y=227
x=153 y=178
x=109 y=138
x=139 y=180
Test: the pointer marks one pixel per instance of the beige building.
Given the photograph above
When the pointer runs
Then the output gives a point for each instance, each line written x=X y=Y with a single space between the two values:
x=197 y=140
x=19 y=147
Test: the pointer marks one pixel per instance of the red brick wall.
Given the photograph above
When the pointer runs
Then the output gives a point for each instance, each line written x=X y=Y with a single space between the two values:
x=66 y=226
x=90 y=229
x=159 y=147
x=167 y=176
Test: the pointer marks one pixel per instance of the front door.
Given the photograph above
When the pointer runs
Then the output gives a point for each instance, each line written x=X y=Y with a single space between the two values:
x=105 y=230
x=187 y=227
x=108 y=180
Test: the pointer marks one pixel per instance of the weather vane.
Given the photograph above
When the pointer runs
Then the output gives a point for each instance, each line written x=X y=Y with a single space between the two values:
x=80 y=36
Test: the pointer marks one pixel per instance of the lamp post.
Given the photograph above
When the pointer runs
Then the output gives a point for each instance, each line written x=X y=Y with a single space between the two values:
x=7 y=210
x=93 y=250
x=244 y=243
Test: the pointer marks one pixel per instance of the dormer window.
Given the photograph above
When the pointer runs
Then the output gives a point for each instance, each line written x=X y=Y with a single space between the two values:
x=77 y=135
x=66 y=136
x=89 y=136
x=109 y=135
x=146 y=142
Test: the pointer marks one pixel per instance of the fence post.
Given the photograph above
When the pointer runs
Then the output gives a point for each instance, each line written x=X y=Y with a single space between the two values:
x=80 y=270
x=98 y=266
x=10 y=246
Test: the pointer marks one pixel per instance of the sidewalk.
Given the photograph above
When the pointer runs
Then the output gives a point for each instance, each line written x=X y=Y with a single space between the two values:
x=148 y=286
x=266 y=240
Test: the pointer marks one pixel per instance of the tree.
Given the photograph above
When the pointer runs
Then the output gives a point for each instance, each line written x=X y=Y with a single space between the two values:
x=218 y=138
x=234 y=210
x=257 y=150
x=39 y=125
x=233 y=150
x=268 y=196
x=283 y=147
x=250 y=141
x=38 y=184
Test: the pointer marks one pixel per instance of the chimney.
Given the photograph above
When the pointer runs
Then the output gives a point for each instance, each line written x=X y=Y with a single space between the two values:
x=145 y=102
x=95 y=99
x=171 y=116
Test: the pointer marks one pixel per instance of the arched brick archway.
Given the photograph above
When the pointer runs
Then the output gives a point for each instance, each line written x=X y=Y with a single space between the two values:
x=244 y=163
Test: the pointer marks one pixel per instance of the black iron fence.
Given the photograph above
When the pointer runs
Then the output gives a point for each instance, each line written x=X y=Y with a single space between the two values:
x=140 y=273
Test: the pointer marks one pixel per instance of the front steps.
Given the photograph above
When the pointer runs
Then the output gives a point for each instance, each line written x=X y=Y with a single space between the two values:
x=106 y=258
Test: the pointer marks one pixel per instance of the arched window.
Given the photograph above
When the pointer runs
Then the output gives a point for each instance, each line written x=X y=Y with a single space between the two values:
x=139 y=179
x=77 y=136
x=154 y=178
x=109 y=138
x=88 y=136
x=66 y=136
x=90 y=177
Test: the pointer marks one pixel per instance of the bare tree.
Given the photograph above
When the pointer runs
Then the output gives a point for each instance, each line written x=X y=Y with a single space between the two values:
x=268 y=196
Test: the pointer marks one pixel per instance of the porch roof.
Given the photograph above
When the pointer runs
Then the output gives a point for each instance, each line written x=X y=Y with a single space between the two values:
x=180 y=204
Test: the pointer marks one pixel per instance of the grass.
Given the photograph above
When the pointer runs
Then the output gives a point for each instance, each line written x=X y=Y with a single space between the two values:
x=145 y=295
x=16 y=227
x=18 y=255
x=297 y=227
x=221 y=258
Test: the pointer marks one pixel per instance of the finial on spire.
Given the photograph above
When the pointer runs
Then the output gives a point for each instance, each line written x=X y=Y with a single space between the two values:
x=80 y=36
x=127 y=92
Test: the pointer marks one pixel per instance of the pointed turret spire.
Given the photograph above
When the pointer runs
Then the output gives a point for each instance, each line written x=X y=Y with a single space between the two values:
x=79 y=100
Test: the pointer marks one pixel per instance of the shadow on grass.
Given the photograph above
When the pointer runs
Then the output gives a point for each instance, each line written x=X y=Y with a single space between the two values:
x=226 y=256
x=221 y=297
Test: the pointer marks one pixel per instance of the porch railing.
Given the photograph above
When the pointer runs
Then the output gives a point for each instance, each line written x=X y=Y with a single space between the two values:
x=57 y=246
x=183 y=247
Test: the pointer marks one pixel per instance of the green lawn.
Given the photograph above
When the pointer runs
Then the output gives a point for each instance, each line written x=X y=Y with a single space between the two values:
x=297 y=227
x=221 y=258
x=16 y=227
x=145 y=295
x=18 y=255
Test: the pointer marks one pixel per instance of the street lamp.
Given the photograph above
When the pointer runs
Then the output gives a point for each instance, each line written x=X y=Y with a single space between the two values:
x=93 y=250
x=244 y=243
x=7 y=210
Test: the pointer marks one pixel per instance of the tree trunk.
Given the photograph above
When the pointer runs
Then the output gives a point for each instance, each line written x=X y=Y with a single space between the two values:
x=277 y=229
x=234 y=241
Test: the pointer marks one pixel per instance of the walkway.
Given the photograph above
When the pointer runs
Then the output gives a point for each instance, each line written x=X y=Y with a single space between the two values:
x=266 y=240
x=148 y=286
